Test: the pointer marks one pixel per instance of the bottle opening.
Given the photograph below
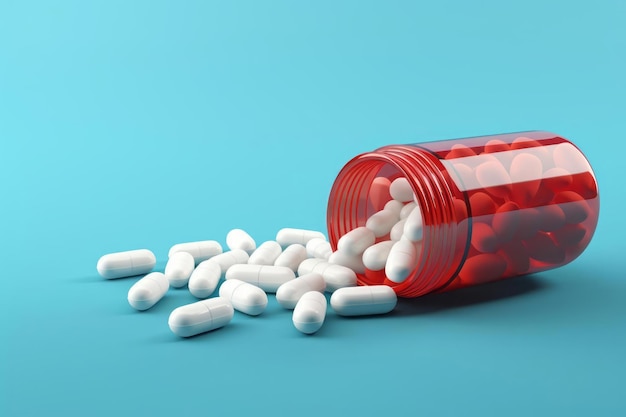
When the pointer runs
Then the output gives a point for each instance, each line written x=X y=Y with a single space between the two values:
x=362 y=190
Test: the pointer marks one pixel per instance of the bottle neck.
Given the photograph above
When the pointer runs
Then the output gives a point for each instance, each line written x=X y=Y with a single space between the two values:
x=444 y=210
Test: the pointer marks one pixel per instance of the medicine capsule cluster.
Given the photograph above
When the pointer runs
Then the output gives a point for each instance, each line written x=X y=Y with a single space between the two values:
x=509 y=208
x=296 y=267
x=390 y=241
x=528 y=203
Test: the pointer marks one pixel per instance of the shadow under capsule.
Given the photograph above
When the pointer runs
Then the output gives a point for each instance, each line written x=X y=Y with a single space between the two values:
x=469 y=296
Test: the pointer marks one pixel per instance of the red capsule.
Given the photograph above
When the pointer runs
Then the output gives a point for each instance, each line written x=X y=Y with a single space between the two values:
x=482 y=204
x=524 y=142
x=482 y=268
x=460 y=209
x=530 y=221
x=483 y=238
x=460 y=151
x=496 y=145
x=516 y=256
x=573 y=205
x=543 y=196
x=585 y=185
x=379 y=192
x=569 y=235
x=552 y=218
x=542 y=248
x=557 y=179
x=533 y=147
x=506 y=221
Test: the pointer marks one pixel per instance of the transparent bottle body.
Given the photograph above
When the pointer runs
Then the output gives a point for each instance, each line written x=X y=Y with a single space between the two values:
x=493 y=207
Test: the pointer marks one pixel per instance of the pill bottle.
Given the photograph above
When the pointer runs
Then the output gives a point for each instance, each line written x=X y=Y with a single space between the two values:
x=493 y=207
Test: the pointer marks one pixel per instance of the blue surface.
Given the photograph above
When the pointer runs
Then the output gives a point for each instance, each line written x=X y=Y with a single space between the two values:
x=147 y=123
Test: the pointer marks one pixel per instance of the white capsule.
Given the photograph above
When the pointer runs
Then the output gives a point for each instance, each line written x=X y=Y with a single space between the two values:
x=179 y=268
x=307 y=266
x=356 y=241
x=239 y=239
x=310 y=312
x=200 y=317
x=227 y=259
x=201 y=251
x=318 y=248
x=362 y=301
x=354 y=262
x=401 y=261
x=413 y=227
x=292 y=256
x=381 y=222
x=401 y=190
x=148 y=291
x=204 y=279
x=290 y=292
x=375 y=257
x=265 y=254
x=394 y=206
x=244 y=297
x=126 y=264
x=289 y=236
x=268 y=278
x=335 y=276
x=397 y=230
x=406 y=210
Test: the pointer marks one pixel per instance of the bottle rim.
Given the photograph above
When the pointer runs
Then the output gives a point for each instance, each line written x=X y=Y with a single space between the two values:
x=446 y=236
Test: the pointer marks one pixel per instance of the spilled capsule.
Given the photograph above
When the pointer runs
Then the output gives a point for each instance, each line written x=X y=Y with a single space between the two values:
x=401 y=261
x=364 y=300
x=200 y=317
x=227 y=259
x=413 y=228
x=204 y=279
x=335 y=276
x=244 y=297
x=310 y=312
x=356 y=241
x=292 y=256
x=146 y=292
x=201 y=250
x=266 y=277
x=240 y=239
x=288 y=236
x=354 y=262
x=290 y=292
x=265 y=254
x=375 y=257
x=318 y=248
x=126 y=264
x=179 y=268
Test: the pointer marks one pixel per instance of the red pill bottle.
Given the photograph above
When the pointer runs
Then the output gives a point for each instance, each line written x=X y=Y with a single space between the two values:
x=493 y=207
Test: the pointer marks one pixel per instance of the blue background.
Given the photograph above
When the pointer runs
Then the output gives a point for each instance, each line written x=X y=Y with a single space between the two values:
x=148 y=123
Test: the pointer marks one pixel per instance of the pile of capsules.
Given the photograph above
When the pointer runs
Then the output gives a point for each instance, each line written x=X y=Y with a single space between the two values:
x=250 y=273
